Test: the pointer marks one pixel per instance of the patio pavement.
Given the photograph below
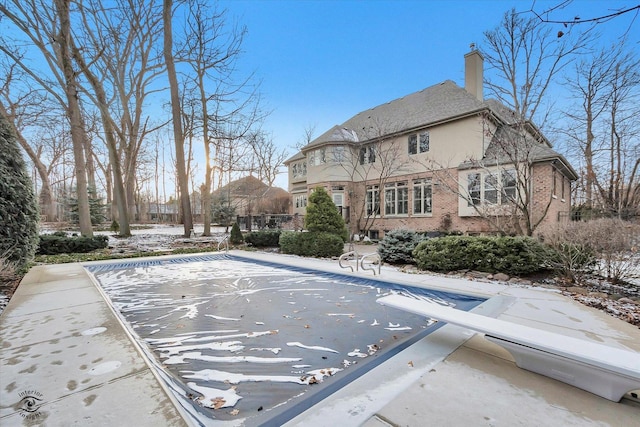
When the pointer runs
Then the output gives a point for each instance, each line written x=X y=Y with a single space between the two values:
x=66 y=359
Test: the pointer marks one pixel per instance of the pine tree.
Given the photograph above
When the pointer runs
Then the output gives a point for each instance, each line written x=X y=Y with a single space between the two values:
x=96 y=208
x=236 y=235
x=18 y=205
x=323 y=215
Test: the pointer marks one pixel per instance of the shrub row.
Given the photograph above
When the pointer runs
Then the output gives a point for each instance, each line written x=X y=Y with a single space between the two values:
x=510 y=255
x=263 y=238
x=312 y=243
x=60 y=243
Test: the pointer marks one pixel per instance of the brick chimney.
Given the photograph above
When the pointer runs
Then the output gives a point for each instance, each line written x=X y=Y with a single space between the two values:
x=473 y=72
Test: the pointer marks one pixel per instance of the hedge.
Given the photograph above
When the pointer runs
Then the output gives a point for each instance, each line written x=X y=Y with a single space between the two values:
x=509 y=255
x=312 y=243
x=263 y=238
x=60 y=243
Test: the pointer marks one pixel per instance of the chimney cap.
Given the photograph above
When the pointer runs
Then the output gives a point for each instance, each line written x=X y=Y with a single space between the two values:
x=472 y=46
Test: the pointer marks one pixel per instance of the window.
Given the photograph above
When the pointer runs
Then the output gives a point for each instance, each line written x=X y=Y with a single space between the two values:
x=338 y=199
x=299 y=169
x=339 y=154
x=301 y=201
x=562 y=187
x=423 y=147
x=367 y=154
x=396 y=199
x=422 y=197
x=553 y=190
x=373 y=200
x=474 y=188
x=491 y=188
x=509 y=183
x=318 y=157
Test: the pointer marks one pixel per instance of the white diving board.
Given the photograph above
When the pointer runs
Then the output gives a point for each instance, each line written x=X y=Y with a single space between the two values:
x=606 y=371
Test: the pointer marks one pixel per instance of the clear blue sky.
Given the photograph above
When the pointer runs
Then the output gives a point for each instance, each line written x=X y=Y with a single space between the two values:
x=321 y=62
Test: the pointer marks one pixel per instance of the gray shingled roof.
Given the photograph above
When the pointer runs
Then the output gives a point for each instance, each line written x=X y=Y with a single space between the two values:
x=530 y=151
x=441 y=102
x=438 y=103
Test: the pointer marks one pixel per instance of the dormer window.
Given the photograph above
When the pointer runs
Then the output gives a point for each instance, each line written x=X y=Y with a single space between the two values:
x=419 y=143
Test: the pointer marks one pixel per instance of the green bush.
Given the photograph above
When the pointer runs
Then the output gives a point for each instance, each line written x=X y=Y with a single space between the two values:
x=312 y=244
x=397 y=246
x=18 y=205
x=236 y=235
x=53 y=244
x=263 y=238
x=323 y=215
x=509 y=255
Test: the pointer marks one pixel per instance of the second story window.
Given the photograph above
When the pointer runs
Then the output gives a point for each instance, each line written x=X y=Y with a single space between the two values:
x=419 y=143
x=299 y=169
x=339 y=154
x=367 y=154
x=317 y=157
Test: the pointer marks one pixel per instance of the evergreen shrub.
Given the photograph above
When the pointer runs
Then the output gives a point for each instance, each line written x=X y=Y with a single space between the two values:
x=236 y=235
x=323 y=215
x=397 y=246
x=18 y=206
x=509 y=255
x=311 y=244
x=60 y=243
x=263 y=238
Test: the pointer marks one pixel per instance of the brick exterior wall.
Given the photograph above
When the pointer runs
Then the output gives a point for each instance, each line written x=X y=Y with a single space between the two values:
x=444 y=216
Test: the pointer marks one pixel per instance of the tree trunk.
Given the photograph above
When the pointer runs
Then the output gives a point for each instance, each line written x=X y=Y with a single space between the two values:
x=118 y=188
x=78 y=133
x=183 y=179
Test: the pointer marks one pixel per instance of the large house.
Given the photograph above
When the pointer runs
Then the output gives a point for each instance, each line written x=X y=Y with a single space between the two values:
x=442 y=159
x=250 y=196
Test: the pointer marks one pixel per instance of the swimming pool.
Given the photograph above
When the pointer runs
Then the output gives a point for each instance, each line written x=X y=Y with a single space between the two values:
x=255 y=343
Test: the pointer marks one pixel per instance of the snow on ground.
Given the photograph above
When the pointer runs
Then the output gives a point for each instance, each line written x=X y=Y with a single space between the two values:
x=162 y=237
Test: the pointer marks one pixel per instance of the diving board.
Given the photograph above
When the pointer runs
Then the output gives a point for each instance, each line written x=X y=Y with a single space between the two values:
x=606 y=371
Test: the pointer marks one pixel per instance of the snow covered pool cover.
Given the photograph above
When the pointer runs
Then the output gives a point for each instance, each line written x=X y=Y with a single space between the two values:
x=256 y=342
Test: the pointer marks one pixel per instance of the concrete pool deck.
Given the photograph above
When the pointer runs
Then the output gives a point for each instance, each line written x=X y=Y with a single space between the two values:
x=66 y=359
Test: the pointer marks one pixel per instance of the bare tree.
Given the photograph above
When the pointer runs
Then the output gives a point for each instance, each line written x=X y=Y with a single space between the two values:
x=48 y=29
x=23 y=110
x=122 y=41
x=267 y=156
x=370 y=163
x=307 y=136
x=220 y=99
x=183 y=179
x=602 y=125
x=621 y=191
x=524 y=60
x=108 y=126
